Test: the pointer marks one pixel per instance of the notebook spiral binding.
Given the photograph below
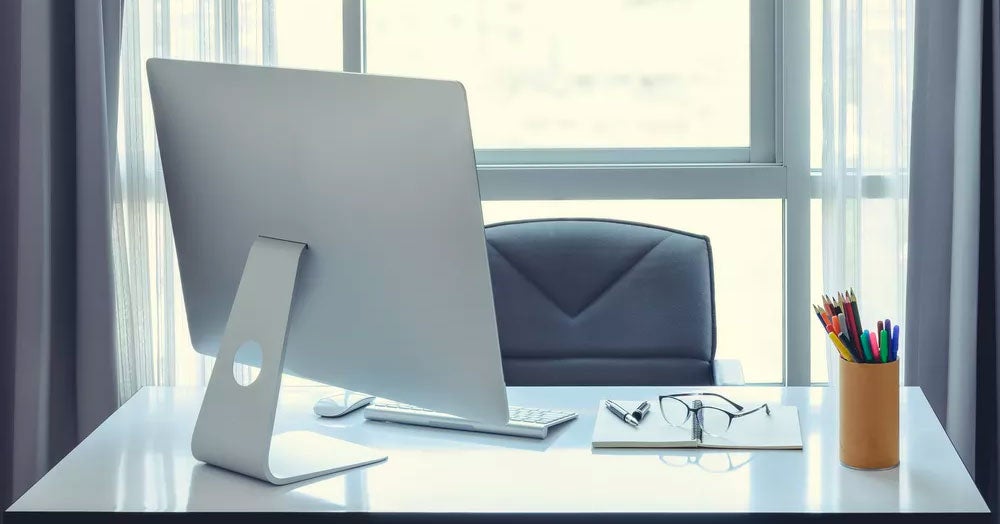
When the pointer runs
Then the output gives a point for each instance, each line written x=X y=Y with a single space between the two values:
x=696 y=427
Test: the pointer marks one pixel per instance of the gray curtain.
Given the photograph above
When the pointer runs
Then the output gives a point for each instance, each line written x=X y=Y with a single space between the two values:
x=10 y=51
x=951 y=312
x=58 y=107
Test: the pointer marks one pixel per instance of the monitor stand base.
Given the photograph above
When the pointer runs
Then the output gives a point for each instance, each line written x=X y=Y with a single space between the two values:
x=236 y=423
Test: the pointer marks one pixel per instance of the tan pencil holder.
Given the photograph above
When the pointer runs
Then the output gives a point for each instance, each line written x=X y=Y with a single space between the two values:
x=869 y=415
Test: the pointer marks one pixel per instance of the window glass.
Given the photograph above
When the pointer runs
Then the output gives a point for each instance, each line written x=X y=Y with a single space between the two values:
x=816 y=84
x=308 y=34
x=579 y=73
x=820 y=345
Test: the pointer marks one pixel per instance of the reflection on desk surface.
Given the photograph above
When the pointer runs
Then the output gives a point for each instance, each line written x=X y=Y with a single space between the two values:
x=712 y=462
x=140 y=460
x=331 y=493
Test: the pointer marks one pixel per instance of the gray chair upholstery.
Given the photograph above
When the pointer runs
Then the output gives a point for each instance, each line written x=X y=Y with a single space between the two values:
x=599 y=302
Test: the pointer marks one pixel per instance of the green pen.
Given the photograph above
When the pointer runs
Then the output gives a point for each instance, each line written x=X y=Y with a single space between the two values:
x=883 y=341
x=866 y=346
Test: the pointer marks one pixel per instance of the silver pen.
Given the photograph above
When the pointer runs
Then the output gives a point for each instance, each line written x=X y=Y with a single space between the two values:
x=621 y=413
x=641 y=411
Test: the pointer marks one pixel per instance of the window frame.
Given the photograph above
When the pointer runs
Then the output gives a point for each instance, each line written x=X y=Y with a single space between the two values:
x=774 y=166
x=763 y=122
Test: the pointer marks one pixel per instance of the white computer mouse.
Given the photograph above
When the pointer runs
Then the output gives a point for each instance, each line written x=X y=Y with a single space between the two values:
x=341 y=404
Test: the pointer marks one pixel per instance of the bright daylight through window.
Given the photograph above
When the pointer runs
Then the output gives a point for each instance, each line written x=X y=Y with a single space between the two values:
x=568 y=74
x=678 y=113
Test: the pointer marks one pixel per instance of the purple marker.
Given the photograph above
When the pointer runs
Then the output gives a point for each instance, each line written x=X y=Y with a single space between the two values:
x=895 y=343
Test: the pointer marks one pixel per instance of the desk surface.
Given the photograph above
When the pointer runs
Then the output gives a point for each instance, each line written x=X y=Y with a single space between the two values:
x=139 y=461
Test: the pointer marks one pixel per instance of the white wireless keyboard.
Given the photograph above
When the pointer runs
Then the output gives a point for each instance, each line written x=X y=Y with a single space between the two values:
x=524 y=422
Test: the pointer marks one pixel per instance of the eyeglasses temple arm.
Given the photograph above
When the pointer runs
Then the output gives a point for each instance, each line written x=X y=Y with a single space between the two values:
x=735 y=405
x=696 y=393
x=754 y=410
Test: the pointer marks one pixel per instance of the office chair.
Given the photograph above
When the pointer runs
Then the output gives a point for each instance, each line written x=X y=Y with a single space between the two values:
x=603 y=302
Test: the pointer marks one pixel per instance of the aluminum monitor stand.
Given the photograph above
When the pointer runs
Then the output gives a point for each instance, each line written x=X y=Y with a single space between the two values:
x=236 y=423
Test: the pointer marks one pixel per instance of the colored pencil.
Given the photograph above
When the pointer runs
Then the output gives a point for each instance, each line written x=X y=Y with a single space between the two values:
x=840 y=347
x=847 y=346
x=840 y=316
x=850 y=342
x=818 y=315
x=857 y=311
x=850 y=323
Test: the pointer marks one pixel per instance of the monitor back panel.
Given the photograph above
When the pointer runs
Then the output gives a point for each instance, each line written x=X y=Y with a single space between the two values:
x=377 y=175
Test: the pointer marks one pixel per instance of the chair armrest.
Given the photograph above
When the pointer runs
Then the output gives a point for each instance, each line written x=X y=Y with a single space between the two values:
x=728 y=372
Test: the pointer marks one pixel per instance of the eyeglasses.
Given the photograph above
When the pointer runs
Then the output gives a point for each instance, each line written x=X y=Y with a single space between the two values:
x=714 y=421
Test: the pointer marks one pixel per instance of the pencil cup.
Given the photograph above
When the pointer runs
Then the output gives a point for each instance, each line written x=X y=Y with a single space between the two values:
x=869 y=415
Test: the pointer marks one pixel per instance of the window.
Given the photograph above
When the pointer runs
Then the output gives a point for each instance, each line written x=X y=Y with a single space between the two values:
x=578 y=74
x=692 y=114
x=307 y=34
x=587 y=108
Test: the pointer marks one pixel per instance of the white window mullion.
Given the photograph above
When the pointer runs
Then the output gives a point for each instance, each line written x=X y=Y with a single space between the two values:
x=635 y=182
x=604 y=156
x=764 y=82
x=794 y=95
x=354 y=36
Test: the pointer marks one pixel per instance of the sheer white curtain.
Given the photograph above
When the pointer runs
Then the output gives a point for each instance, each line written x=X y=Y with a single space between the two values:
x=152 y=331
x=867 y=82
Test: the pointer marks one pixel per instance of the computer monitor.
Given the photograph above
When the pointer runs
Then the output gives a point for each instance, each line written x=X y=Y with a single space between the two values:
x=377 y=176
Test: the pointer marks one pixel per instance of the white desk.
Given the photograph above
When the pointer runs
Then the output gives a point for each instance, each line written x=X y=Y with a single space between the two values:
x=138 y=462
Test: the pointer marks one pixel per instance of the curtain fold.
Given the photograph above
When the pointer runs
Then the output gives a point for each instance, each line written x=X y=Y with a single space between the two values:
x=867 y=77
x=154 y=345
x=10 y=67
x=97 y=43
x=951 y=312
x=62 y=358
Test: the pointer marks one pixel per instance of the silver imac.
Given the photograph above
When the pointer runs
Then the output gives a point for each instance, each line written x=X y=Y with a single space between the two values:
x=373 y=178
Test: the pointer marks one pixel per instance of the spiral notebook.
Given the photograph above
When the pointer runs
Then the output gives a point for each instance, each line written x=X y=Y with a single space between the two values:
x=780 y=430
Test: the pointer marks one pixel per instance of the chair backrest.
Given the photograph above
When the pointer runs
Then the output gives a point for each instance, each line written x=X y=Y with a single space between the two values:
x=600 y=302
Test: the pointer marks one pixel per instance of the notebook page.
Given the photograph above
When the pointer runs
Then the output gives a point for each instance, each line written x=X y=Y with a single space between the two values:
x=611 y=432
x=759 y=431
